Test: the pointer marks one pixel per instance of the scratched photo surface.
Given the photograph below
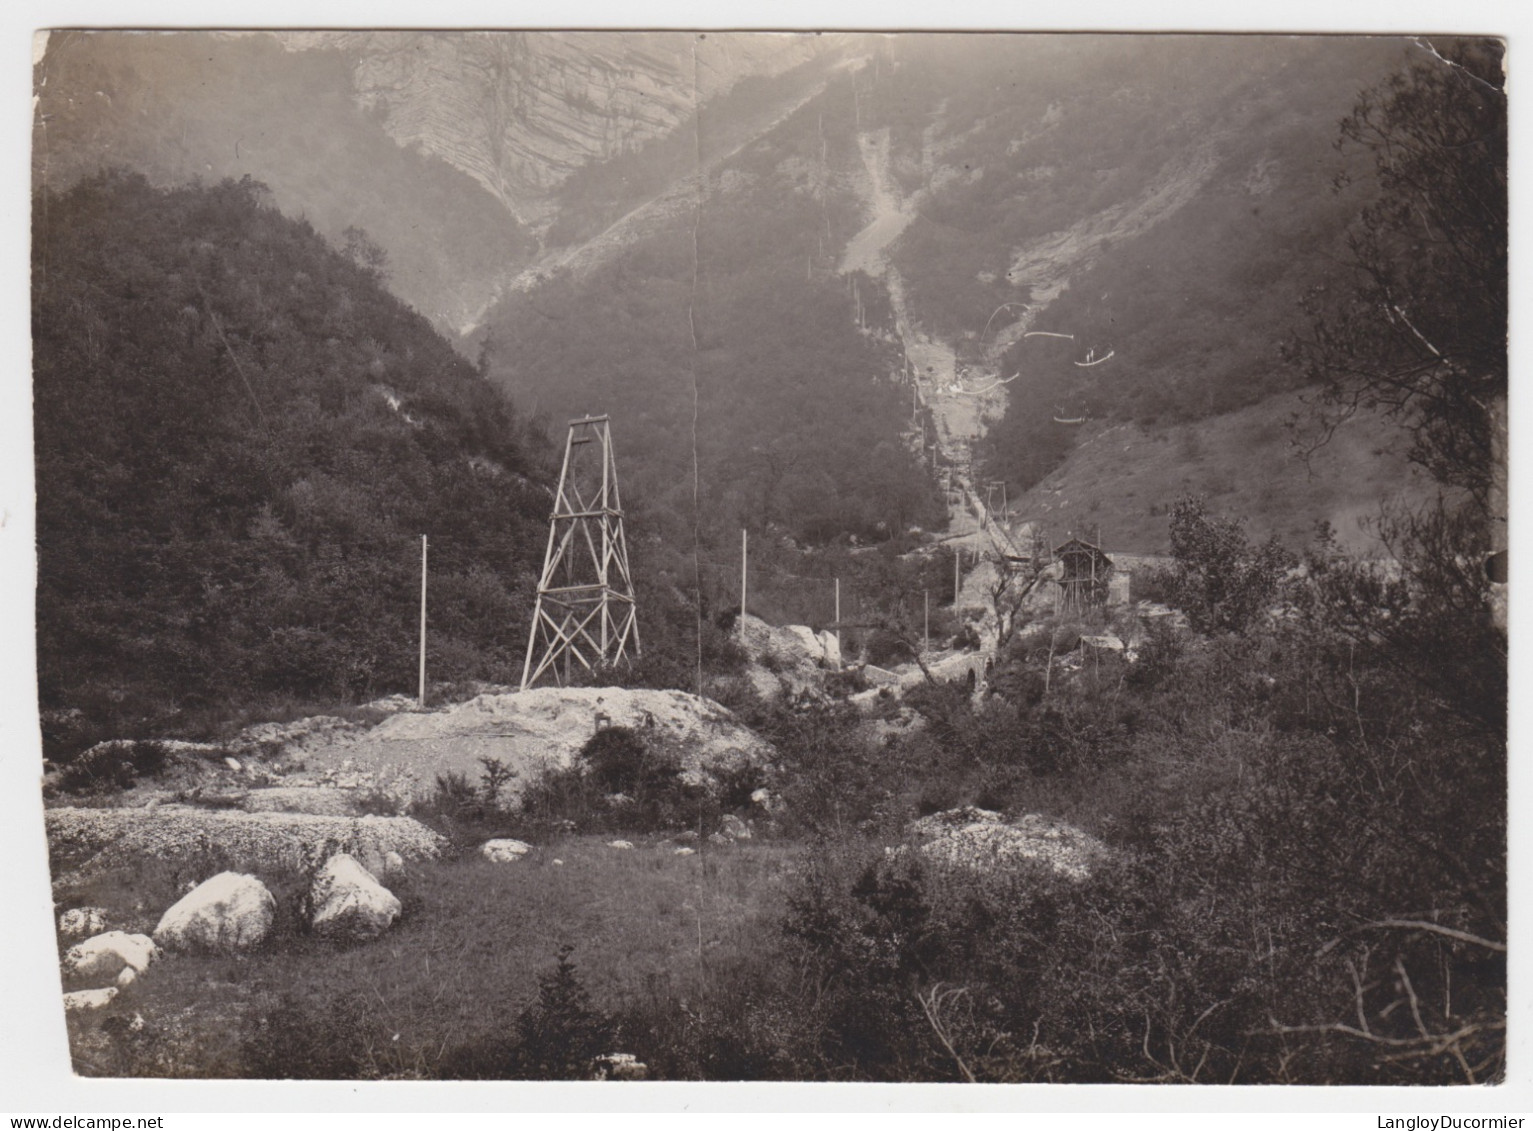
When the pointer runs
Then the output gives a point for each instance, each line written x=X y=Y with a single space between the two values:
x=861 y=557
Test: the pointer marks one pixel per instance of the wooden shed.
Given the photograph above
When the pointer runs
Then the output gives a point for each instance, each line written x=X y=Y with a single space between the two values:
x=1083 y=577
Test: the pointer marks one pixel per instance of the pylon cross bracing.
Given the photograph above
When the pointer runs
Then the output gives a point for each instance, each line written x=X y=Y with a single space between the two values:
x=585 y=610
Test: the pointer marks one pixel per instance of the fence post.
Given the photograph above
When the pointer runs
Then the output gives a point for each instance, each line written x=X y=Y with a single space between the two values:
x=423 y=622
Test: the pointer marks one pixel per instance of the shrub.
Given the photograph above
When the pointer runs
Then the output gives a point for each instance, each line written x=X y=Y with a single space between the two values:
x=620 y=761
x=622 y=781
x=556 y=1037
x=112 y=766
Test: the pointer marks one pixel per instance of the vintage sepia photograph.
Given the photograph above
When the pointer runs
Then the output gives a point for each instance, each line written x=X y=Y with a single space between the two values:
x=826 y=556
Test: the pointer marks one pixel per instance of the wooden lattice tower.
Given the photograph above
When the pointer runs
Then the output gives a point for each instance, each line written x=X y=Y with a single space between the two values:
x=585 y=611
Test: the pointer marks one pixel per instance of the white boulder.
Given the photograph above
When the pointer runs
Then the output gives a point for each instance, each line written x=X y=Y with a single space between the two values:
x=226 y=913
x=82 y=1000
x=734 y=828
x=620 y=1066
x=807 y=639
x=104 y=957
x=82 y=922
x=981 y=840
x=349 y=902
x=620 y=844
x=504 y=850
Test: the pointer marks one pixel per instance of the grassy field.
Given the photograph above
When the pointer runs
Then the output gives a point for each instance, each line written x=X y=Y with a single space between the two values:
x=1122 y=479
x=465 y=958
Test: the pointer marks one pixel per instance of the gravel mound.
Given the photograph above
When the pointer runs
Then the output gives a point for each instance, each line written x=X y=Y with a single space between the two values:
x=530 y=732
x=98 y=840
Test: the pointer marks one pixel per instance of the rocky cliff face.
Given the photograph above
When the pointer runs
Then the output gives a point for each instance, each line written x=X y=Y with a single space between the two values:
x=520 y=111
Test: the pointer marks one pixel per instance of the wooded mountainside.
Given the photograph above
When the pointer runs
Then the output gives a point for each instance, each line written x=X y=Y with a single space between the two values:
x=735 y=310
x=241 y=437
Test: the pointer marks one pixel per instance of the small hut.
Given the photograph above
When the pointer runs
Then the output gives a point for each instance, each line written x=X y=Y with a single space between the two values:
x=1083 y=577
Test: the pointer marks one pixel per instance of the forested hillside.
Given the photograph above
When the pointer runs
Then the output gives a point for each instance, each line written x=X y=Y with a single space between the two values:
x=241 y=437
x=1165 y=200
x=728 y=337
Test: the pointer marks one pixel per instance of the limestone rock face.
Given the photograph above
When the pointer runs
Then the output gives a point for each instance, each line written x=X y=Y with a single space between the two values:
x=504 y=850
x=521 y=111
x=230 y=912
x=349 y=903
x=105 y=957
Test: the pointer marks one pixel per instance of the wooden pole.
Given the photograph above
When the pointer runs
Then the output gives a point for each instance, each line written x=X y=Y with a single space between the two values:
x=926 y=613
x=423 y=622
x=957 y=565
x=743 y=537
x=838 y=614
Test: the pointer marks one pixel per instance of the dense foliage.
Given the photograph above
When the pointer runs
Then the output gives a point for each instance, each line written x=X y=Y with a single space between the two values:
x=241 y=438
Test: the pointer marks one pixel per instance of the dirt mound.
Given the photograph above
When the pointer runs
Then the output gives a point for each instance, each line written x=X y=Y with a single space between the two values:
x=88 y=841
x=529 y=731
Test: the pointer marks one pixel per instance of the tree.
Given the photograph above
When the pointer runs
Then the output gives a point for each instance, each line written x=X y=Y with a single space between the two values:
x=560 y=1034
x=1417 y=326
x=1011 y=584
x=1219 y=579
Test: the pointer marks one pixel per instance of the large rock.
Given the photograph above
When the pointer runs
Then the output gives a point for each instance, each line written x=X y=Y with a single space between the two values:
x=808 y=640
x=832 y=649
x=81 y=922
x=981 y=840
x=349 y=903
x=504 y=850
x=619 y=1066
x=102 y=958
x=229 y=912
x=734 y=828
x=82 y=1000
